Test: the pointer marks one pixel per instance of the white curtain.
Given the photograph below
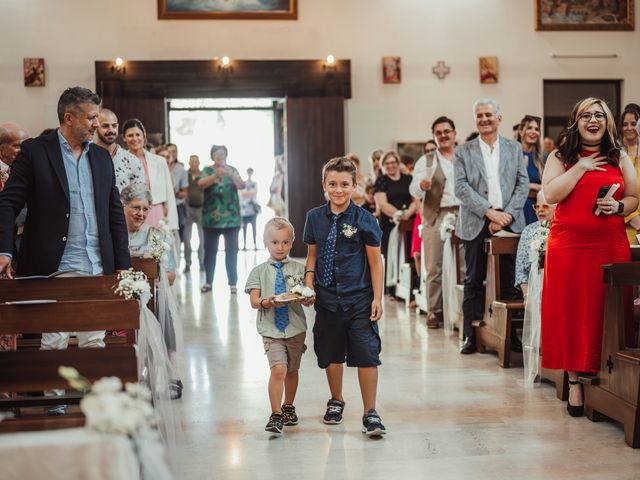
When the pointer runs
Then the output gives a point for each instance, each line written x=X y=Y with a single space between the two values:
x=531 y=327
x=395 y=256
x=449 y=280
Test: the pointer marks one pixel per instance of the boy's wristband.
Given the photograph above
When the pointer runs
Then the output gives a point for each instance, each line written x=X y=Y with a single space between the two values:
x=262 y=306
x=309 y=271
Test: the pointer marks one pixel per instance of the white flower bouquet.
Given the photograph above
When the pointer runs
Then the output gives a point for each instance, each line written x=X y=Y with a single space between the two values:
x=538 y=243
x=110 y=409
x=158 y=248
x=132 y=285
x=448 y=225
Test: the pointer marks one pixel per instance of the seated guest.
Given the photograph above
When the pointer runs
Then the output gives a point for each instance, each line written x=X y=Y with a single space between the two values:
x=573 y=293
x=137 y=202
x=429 y=147
x=524 y=258
x=530 y=141
x=370 y=202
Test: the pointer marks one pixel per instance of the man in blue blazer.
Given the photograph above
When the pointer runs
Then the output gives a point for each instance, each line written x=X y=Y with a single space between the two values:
x=492 y=185
x=75 y=218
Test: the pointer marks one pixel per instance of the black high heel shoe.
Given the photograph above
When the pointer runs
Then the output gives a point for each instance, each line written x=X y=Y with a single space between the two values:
x=575 y=410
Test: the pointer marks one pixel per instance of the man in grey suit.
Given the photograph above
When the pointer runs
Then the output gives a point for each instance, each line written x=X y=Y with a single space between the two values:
x=492 y=185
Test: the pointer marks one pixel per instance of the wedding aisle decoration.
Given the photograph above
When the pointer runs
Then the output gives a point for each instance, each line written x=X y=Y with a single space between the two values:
x=450 y=305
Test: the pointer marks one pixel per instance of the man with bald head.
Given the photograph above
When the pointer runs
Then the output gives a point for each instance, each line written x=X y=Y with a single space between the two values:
x=127 y=166
x=11 y=136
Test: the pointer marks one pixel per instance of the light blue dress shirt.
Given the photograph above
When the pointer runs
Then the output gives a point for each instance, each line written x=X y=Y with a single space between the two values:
x=82 y=249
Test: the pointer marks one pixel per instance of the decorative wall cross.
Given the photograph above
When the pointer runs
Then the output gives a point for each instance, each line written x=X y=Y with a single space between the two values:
x=441 y=70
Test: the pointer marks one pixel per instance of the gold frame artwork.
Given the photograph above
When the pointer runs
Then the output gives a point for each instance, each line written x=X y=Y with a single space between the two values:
x=33 y=72
x=391 y=69
x=579 y=15
x=178 y=10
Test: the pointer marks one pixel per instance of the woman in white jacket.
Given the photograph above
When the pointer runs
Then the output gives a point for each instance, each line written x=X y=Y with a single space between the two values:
x=157 y=176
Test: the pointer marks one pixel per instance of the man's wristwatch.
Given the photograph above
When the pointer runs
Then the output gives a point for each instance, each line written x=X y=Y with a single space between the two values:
x=620 y=208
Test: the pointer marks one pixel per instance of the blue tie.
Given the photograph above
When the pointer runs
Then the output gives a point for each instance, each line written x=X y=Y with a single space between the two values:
x=282 y=313
x=330 y=252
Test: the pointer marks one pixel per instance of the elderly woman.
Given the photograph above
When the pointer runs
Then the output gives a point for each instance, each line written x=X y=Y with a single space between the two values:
x=137 y=202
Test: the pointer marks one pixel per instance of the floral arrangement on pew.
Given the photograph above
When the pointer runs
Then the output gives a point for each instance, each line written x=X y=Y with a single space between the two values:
x=538 y=243
x=132 y=285
x=448 y=225
x=109 y=409
x=158 y=248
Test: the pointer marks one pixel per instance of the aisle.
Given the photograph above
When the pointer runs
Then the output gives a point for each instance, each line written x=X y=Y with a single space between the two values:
x=448 y=416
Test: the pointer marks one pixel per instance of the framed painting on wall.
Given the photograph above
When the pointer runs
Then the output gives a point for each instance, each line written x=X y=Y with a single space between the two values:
x=488 y=69
x=584 y=15
x=228 y=9
x=33 y=71
x=391 y=70
x=410 y=149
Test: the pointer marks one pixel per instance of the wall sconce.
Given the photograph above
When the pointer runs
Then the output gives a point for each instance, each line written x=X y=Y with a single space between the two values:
x=329 y=63
x=225 y=65
x=118 y=66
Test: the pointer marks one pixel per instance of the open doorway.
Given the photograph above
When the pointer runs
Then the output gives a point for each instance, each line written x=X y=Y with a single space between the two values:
x=245 y=125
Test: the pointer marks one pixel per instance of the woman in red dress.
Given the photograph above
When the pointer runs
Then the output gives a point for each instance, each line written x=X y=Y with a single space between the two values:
x=588 y=157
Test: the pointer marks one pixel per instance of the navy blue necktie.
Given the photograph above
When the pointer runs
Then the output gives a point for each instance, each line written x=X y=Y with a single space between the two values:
x=329 y=253
x=282 y=313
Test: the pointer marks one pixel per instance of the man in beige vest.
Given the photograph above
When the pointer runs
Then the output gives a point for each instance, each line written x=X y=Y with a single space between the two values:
x=433 y=183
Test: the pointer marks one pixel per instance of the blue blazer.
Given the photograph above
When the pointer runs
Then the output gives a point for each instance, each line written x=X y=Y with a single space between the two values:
x=38 y=179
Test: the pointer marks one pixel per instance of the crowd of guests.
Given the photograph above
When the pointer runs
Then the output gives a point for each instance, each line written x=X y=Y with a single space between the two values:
x=489 y=182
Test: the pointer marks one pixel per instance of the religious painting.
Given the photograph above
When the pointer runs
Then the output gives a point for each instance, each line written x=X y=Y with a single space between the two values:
x=410 y=149
x=391 y=70
x=33 y=70
x=228 y=9
x=488 y=69
x=584 y=15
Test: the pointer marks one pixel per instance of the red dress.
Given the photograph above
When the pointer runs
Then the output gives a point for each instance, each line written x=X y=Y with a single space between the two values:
x=573 y=289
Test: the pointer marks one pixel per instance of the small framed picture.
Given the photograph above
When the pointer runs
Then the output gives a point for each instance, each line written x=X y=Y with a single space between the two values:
x=488 y=69
x=33 y=69
x=391 y=70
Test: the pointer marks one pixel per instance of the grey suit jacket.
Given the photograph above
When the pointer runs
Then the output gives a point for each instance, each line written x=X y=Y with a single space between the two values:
x=472 y=190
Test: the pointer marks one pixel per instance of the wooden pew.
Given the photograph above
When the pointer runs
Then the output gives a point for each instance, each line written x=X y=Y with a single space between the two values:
x=494 y=331
x=63 y=289
x=152 y=270
x=31 y=369
x=615 y=392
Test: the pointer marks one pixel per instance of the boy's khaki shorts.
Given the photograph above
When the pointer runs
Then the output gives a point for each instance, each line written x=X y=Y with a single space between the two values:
x=285 y=351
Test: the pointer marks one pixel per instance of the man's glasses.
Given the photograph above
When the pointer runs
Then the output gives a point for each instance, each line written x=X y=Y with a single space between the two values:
x=542 y=207
x=443 y=133
x=587 y=116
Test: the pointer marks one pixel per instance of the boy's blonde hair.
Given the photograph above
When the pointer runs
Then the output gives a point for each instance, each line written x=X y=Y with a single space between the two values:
x=279 y=223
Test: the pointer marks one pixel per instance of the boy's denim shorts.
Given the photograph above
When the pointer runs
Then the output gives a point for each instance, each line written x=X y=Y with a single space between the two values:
x=350 y=336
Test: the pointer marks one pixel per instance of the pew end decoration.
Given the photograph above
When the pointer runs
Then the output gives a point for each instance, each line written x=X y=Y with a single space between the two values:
x=132 y=285
x=451 y=304
x=112 y=408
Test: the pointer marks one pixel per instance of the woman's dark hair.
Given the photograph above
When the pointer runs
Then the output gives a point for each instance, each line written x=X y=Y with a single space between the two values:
x=215 y=148
x=629 y=109
x=536 y=148
x=569 y=141
x=471 y=136
x=133 y=123
x=339 y=164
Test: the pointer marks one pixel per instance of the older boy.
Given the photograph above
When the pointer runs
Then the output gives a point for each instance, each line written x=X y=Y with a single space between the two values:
x=345 y=266
x=283 y=327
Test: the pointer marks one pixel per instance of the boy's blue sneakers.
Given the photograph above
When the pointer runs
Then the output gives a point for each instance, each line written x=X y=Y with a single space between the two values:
x=333 y=415
x=372 y=425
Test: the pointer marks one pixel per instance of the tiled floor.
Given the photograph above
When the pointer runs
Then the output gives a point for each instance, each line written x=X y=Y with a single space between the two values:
x=448 y=416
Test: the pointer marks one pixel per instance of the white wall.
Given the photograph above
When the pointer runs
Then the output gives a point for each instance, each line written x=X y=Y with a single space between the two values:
x=72 y=34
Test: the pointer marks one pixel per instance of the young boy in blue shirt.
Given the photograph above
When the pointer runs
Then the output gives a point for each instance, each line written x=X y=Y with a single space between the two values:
x=344 y=266
x=283 y=327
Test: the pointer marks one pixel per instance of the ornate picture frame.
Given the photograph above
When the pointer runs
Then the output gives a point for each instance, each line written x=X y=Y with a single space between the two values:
x=228 y=10
x=582 y=15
